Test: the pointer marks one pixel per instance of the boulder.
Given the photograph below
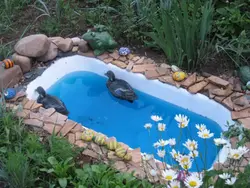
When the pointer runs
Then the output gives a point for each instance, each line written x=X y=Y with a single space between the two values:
x=33 y=45
x=10 y=77
x=51 y=53
x=64 y=45
x=83 y=46
x=24 y=62
x=76 y=41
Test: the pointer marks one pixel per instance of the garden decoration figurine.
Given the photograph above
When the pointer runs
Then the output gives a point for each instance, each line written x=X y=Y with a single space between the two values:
x=7 y=63
x=100 y=40
x=9 y=93
x=49 y=101
x=124 y=51
x=179 y=76
x=244 y=74
x=120 y=88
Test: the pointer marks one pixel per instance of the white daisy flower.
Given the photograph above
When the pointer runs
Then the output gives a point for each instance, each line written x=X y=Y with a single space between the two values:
x=161 y=127
x=148 y=126
x=225 y=176
x=201 y=127
x=146 y=156
x=237 y=153
x=171 y=141
x=182 y=120
x=153 y=172
x=191 y=145
x=231 y=181
x=193 y=182
x=169 y=175
x=243 y=150
x=174 y=184
x=156 y=118
x=174 y=154
x=219 y=141
x=205 y=134
x=194 y=154
x=161 y=153
x=161 y=143
x=211 y=186
x=185 y=161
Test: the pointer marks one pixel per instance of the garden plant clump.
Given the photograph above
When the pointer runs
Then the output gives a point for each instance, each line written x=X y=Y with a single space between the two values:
x=30 y=160
x=178 y=174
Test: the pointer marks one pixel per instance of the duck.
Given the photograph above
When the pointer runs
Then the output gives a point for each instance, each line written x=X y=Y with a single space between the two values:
x=49 y=101
x=120 y=88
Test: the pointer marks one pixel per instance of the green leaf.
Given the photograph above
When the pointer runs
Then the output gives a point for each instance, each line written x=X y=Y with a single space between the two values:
x=52 y=160
x=62 y=182
x=96 y=169
x=3 y=149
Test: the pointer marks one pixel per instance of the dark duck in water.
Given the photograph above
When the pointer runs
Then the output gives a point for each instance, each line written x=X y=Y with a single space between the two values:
x=49 y=101
x=120 y=88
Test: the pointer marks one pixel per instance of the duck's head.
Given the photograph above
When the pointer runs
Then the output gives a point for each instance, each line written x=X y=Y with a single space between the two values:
x=41 y=91
x=110 y=75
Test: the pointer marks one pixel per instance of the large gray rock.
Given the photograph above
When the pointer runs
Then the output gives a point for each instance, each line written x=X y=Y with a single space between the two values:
x=83 y=46
x=51 y=53
x=10 y=77
x=24 y=62
x=33 y=45
x=64 y=45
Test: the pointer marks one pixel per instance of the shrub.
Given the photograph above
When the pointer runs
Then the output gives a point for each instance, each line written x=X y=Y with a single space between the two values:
x=181 y=32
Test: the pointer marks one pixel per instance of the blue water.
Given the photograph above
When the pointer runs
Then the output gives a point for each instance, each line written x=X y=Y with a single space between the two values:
x=89 y=102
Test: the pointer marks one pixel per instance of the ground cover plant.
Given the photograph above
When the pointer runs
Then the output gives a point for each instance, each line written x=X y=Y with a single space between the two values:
x=28 y=161
x=212 y=30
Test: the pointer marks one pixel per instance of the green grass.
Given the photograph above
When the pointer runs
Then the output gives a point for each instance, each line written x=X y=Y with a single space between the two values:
x=27 y=162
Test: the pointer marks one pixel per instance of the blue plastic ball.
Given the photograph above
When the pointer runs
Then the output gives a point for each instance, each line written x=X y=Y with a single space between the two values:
x=9 y=93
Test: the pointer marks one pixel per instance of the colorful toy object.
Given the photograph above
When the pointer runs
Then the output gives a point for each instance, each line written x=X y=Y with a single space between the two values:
x=100 y=139
x=9 y=93
x=124 y=51
x=112 y=145
x=88 y=135
x=7 y=63
x=100 y=40
x=179 y=76
x=123 y=153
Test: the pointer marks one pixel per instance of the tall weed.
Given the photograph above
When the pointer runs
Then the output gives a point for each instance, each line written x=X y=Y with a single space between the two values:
x=16 y=171
x=181 y=31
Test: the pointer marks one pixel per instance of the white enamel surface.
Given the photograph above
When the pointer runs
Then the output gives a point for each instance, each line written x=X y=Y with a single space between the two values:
x=197 y=103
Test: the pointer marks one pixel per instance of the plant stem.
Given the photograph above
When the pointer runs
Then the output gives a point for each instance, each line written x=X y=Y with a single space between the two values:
x=205 y=143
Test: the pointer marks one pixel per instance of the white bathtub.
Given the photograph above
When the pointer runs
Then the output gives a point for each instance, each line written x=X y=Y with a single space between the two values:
x=197 y=103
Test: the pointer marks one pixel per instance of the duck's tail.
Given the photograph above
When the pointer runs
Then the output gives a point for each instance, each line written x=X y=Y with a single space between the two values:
x=41 y=91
